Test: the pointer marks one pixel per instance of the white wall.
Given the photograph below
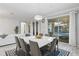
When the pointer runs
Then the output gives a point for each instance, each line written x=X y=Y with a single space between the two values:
x=31 y=28
x=72 y=28
x=7 y=26
x=44 y=27
x=24 y=27
x=75 y=29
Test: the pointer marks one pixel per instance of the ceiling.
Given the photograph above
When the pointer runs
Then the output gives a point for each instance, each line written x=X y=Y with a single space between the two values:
x=27 y=11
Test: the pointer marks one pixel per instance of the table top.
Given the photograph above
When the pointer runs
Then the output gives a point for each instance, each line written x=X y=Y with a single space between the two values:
x=41 y=42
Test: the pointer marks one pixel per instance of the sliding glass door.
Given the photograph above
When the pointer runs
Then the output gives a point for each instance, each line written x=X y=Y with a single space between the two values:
x=59 y=27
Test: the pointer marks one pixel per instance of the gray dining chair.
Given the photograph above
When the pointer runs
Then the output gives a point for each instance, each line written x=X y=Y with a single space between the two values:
x=18 y=47
x=52 y=48
x=35 y=50
x=16 y=52
x=17 y=42
x=27 y=34
x=56 y=43
x=24 y=47
x=53 y=45
x=46 y=34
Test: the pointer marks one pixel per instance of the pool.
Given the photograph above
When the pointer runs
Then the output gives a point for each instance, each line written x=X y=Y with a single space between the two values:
x=62 y=34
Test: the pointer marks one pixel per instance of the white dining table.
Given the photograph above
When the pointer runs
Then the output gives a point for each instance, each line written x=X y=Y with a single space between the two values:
x=41 y=42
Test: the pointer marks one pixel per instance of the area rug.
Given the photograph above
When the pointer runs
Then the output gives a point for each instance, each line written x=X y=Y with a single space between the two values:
x=59 y=52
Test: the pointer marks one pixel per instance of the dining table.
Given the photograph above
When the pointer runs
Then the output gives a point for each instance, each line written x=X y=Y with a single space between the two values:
x=44 y=40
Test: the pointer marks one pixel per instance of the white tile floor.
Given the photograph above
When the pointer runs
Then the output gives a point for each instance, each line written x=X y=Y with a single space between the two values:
x=74 y=51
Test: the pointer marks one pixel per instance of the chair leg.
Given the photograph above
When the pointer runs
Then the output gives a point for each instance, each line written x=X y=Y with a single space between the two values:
x=54 y=53
x=56 y=47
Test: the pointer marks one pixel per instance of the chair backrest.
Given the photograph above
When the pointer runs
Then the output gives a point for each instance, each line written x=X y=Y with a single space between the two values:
x=18 y=46
x=35 y=51
x=27 y=34
x=56 y=41
x=46 y=34
x=17 y=42
x=53 y=45
x=24 y=46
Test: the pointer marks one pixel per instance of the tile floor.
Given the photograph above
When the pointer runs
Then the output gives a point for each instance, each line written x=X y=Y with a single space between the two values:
x=74 y=51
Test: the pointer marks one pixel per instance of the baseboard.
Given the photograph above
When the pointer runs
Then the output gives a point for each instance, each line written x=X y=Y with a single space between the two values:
x=7 y=44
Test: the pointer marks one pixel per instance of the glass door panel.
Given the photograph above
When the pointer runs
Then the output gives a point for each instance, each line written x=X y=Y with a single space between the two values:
x=59 y=27
x=52 y=29
x=64 y=29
